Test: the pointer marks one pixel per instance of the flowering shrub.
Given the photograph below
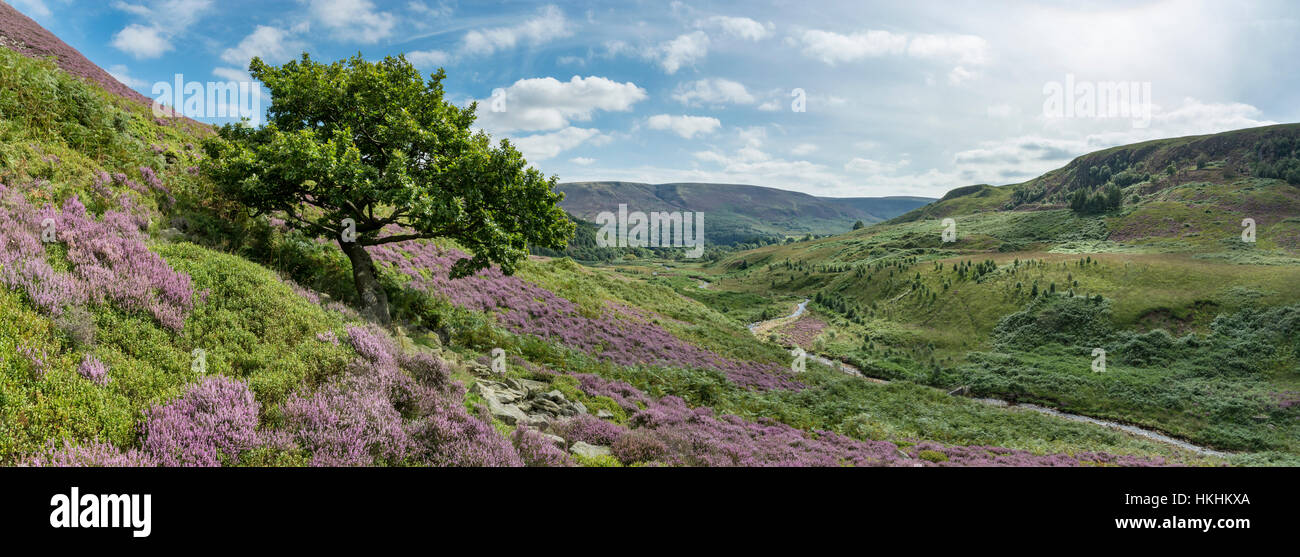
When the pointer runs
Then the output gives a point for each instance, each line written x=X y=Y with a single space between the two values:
x=109 y=258
x=620 y=334
x=90 y=454
x=667 y=431
x=214 y=422
x=588 y=429
x=376 y=413
x=93 y=370
x=536 y=450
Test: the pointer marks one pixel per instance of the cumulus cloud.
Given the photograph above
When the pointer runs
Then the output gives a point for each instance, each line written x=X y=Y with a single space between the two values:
x=685 y=126
x=582 y=161
x=550 y=24
x=833 y=48
x=428 y=58
x=547 y=104
x=33 y=8
x=271 y=44
x=163 y=20
x=142 y=41
x=684 y=50
x=542 y=146
x=712 y=92
x=353 y=20
x=739 y=27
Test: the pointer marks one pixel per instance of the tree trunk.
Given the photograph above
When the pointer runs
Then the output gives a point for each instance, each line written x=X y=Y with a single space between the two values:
x=371 y=296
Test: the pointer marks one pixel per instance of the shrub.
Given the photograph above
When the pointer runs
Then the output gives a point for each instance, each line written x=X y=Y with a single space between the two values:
x=536 y=450
x=212 y=423
x=639 y=446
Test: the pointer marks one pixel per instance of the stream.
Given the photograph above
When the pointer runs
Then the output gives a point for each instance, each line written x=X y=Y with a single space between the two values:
x=1130 y=429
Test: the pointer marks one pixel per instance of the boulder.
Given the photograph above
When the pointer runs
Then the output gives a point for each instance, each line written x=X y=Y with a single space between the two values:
x=590 y=451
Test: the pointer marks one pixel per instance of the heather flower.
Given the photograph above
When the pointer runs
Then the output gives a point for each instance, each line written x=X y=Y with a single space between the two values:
x=588 y=429
x=536 y=450
x=214 y=422
x=93 y=370
x=88 y=455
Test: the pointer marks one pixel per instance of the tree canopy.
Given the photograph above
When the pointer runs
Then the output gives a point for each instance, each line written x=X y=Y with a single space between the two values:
x=368 y=153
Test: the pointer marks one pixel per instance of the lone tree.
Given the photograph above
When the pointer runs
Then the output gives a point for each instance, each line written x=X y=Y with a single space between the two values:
x=369 y=153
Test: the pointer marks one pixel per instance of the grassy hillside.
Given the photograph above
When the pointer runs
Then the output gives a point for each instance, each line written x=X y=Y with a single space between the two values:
x=163 y=325
x=738 y=213
x=1197 y=324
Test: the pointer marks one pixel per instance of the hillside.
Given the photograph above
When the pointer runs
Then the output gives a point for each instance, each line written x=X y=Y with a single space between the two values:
x=738 y=213
x=1197 y=323
x=163 y=324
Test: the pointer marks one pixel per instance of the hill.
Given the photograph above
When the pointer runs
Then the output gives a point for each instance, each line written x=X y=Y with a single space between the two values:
x=1195 y=320
x=163 y=324
x=738 y=213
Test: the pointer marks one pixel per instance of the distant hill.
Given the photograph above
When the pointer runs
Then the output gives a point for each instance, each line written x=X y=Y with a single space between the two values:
x=1152 y=172
x=738 y=213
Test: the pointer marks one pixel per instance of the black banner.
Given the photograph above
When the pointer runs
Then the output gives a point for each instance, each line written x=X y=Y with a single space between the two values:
x=320 y=507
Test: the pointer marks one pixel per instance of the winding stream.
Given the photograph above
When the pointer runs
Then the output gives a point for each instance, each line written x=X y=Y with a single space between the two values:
x=1130 y=429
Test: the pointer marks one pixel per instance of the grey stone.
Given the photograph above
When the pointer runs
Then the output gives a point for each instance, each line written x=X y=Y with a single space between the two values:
x=589 y=451
x=604 y=414
x=508 y=413
x=558 y=441
x=581 y=408
x=530 y=385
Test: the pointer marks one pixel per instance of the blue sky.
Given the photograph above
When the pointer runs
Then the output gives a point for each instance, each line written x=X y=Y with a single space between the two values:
x=900 y=98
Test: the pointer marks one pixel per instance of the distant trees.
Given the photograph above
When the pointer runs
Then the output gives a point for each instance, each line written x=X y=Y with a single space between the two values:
x=1278 y=158
x=1108 y=199
x=859 y=225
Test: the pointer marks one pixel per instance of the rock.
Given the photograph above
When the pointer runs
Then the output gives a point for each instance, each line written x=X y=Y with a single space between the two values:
x=172 y=234
x=533 y=386
x=589 y=451
x=580 y=408
x=555 y=395
x=603 y=414
x=558 y=441
x=539 y=422
x=508 y=413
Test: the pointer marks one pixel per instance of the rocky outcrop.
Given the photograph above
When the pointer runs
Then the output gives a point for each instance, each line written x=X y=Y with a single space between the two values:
x=522 y=401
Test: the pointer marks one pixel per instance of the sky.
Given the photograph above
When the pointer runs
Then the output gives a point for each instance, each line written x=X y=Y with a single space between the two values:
x=836 y=99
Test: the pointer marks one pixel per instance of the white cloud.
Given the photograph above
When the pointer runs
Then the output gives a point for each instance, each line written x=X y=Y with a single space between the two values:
x=873 y=167
x=961 y=49
x=547 y=103
x=542 y=146
x=33 y=8
x=141 y=41
x=833 y=48
x=428 y=58
x=423 y=8
x=271 y=44
x=232 y=74
x=582 y=161
x=739 y=27
x=770 y=106
x=684 y=50
x=712 y=92
x=119 y=72
x=547 y=26
x=685 y=126
x=165 y=19
x=353 y=20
